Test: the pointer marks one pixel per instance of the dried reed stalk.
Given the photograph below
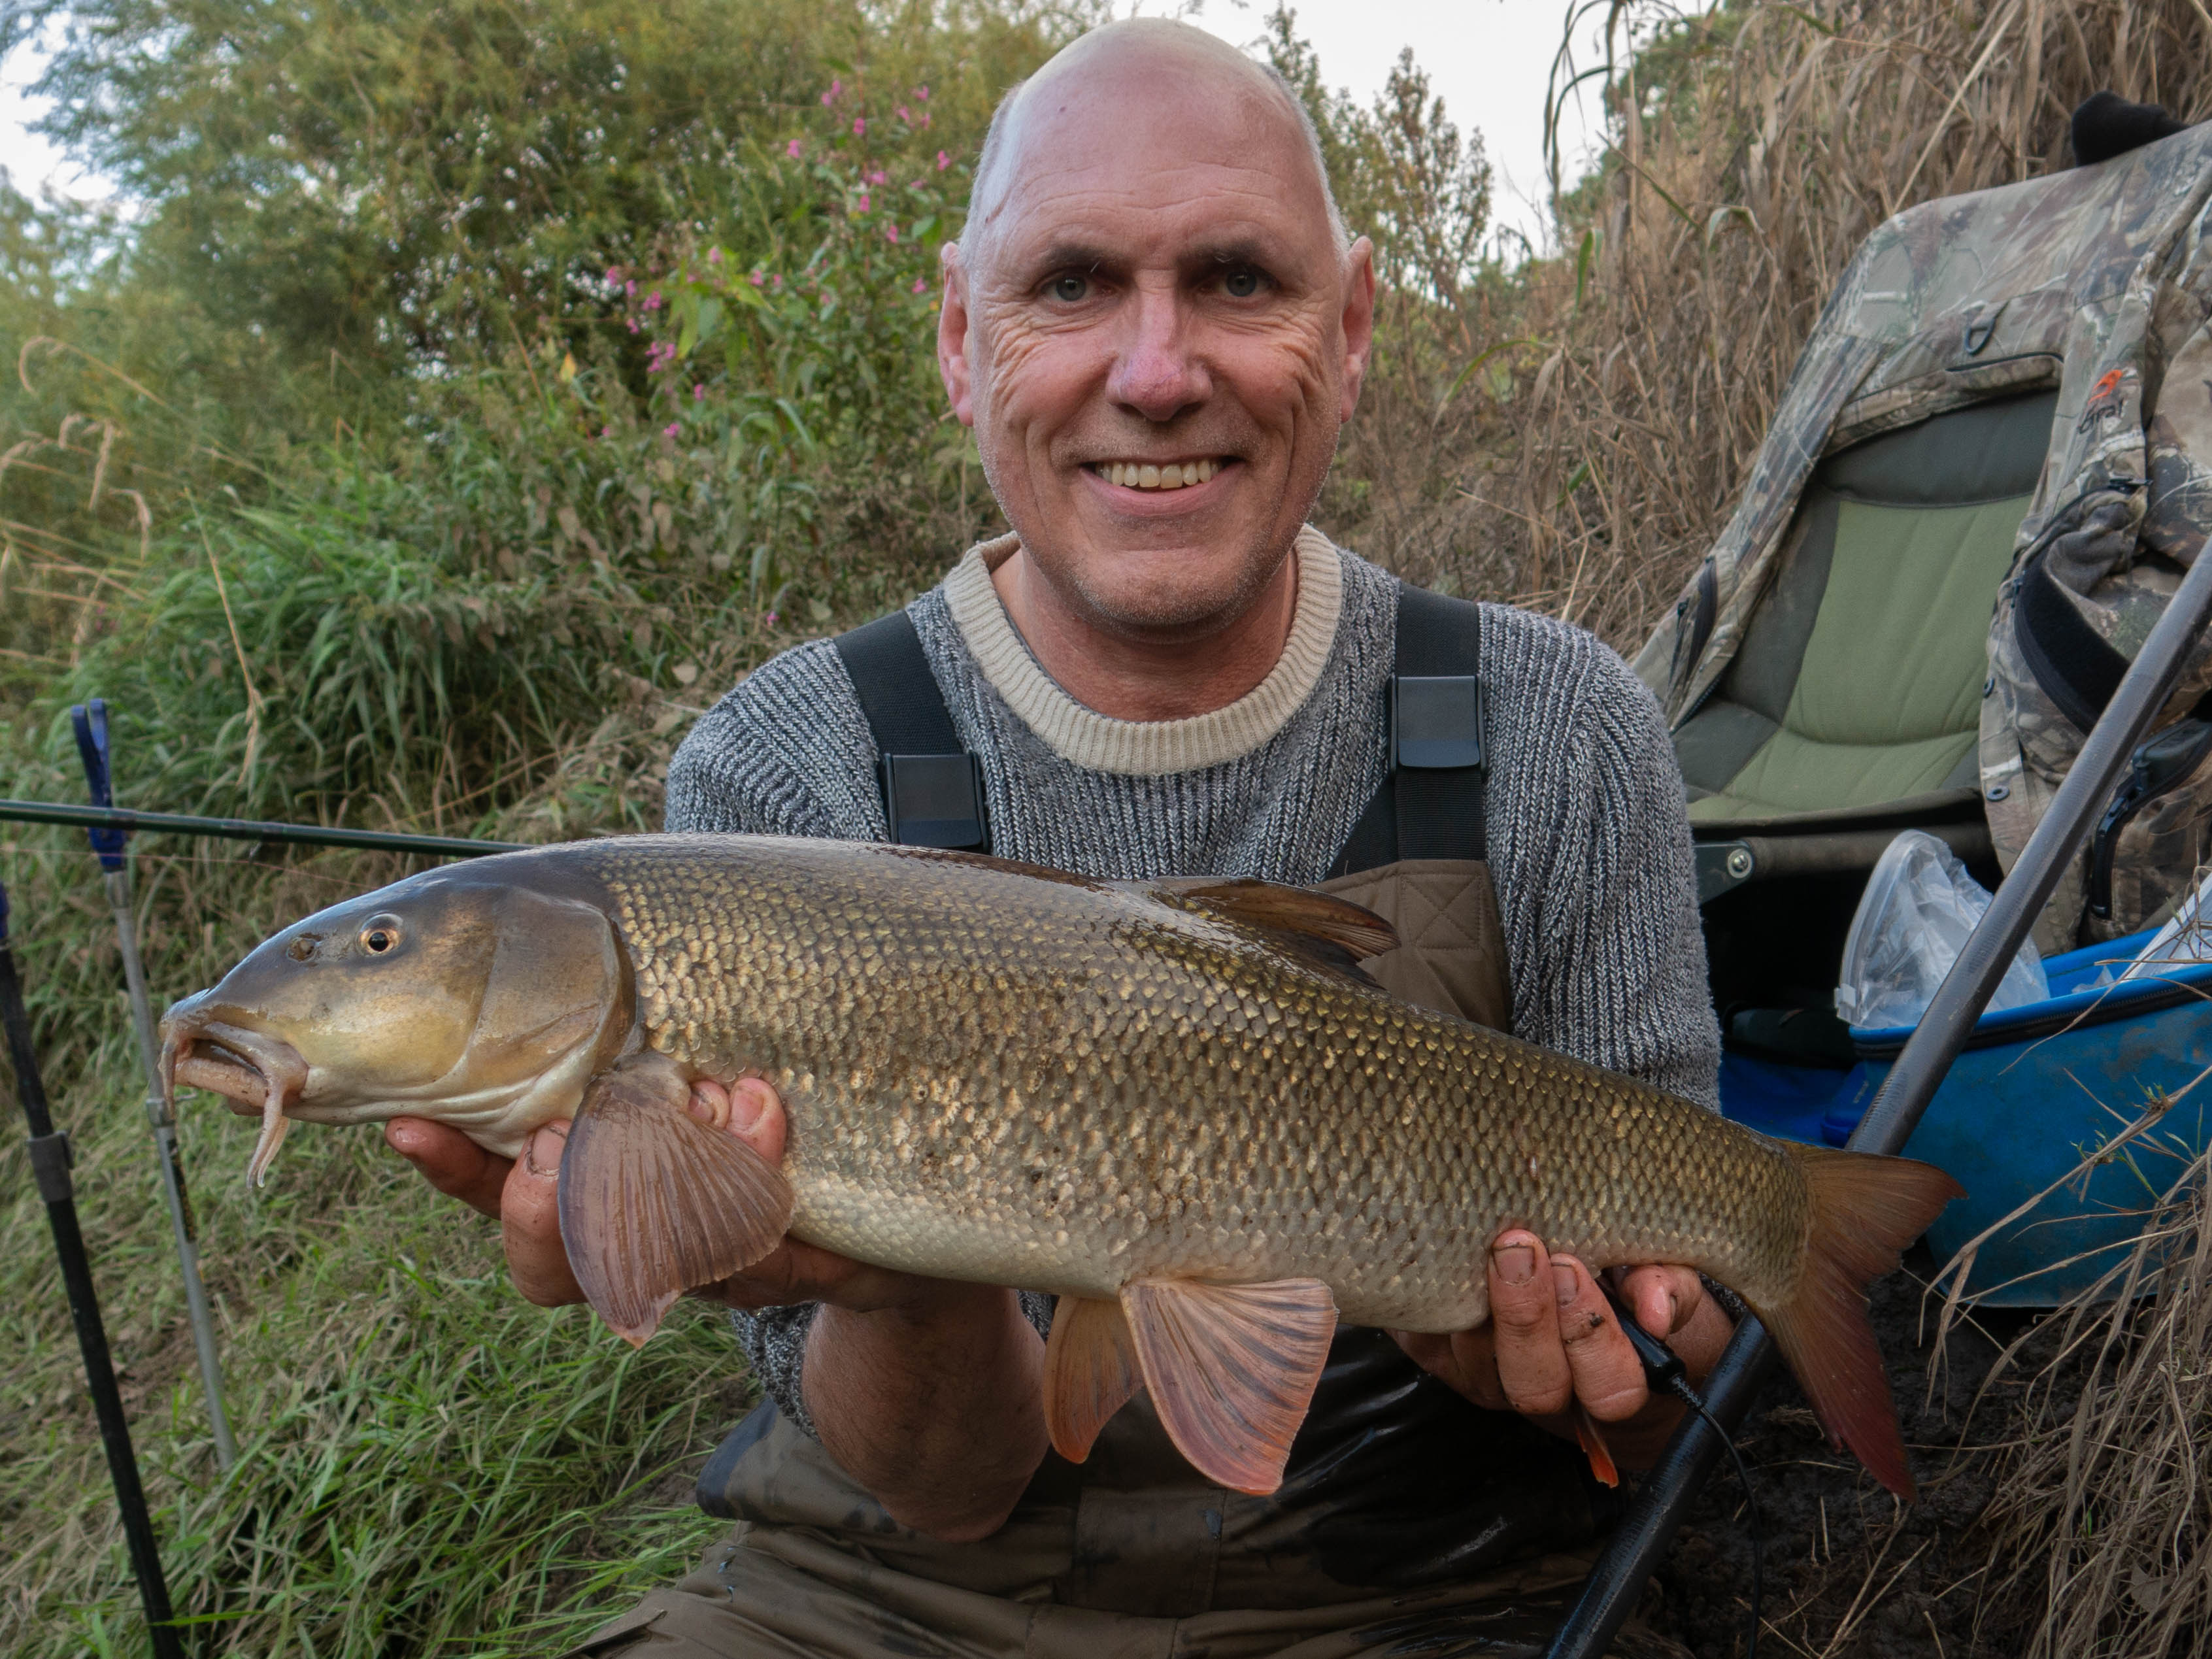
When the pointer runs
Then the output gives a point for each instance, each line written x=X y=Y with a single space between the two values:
x=2101 y=1528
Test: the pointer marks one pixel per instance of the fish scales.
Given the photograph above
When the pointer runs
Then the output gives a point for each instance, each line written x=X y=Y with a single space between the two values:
x=1064 y=1085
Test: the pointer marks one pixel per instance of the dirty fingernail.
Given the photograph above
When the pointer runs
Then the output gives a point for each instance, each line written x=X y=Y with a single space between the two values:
x=1517 y=1263
x=1563 y=1282
x=543 y=1155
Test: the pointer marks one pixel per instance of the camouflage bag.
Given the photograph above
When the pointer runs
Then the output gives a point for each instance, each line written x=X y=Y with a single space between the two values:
x=2096 y=283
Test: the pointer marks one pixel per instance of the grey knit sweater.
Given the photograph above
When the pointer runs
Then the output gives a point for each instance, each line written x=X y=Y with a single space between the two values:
x=1589 y=849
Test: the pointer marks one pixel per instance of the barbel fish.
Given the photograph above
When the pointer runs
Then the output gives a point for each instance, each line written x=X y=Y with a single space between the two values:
x=1176 y=1105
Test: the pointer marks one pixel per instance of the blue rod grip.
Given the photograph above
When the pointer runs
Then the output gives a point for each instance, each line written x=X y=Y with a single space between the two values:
x=90 y=721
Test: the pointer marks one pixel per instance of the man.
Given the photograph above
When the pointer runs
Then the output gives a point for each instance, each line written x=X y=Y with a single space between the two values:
x=1156 y=326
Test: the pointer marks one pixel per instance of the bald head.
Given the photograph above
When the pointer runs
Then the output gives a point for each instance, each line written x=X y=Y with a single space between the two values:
x=1136 y=62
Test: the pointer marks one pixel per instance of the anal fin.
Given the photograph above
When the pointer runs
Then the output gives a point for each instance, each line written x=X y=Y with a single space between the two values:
x=1231 y=1369
x=653 y=1202
x=1091 y=1371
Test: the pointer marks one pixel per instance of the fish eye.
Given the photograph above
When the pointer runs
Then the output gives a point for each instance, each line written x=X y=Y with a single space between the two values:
x=379 y=935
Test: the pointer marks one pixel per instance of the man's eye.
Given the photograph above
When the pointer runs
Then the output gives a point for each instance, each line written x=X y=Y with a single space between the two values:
x=1070 y=288
x=1241 y=284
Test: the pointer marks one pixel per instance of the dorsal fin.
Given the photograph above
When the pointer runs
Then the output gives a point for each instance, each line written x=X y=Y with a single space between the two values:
x=1329 y=931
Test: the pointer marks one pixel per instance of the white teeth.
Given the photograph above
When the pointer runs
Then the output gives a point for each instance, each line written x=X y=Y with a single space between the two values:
x=1174 y=476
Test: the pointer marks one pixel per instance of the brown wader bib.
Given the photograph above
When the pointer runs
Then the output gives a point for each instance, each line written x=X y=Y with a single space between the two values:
x=1409 y=1521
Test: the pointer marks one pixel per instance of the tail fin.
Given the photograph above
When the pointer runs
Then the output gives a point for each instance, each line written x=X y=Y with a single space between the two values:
x=1864 y=1210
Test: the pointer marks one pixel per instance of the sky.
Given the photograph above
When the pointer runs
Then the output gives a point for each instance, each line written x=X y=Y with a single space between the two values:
x=1489 y=59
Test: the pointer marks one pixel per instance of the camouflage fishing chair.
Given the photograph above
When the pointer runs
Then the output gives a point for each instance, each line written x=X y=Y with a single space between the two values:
x=2007 y=401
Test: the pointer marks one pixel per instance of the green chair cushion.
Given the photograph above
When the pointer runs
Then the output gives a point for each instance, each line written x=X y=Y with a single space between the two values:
x=1889 y=698
x=1859 y=679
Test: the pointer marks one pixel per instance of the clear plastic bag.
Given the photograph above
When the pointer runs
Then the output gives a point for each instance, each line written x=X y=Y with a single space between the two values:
x=1919 y=906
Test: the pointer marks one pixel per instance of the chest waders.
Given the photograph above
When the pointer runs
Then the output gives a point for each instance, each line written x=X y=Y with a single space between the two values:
x=1406 y=1514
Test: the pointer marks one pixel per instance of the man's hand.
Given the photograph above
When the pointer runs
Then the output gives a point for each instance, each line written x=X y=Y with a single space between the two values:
x=1552 y=1340
x=929 y=1393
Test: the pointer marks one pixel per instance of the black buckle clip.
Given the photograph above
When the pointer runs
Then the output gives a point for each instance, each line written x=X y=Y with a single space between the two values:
x=934 y=801
x=2162 y=764
x=1436 y=722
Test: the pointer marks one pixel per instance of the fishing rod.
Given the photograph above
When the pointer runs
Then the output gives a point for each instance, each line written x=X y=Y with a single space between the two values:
x=1631 y=1554
x=50 y=1165
x=302 y=834
x=90 y=721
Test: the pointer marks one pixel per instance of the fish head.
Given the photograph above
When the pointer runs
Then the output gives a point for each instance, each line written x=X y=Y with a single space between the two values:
x=460 y=995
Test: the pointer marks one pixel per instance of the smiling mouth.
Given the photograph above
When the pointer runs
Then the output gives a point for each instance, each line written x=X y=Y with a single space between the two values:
x=1159 y=475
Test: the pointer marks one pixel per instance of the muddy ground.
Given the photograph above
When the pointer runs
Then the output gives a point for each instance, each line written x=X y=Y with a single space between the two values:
x=1851 y=1573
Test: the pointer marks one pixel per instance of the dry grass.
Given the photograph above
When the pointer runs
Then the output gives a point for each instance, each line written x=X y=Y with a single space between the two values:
x=2100 y=1533
x=1588 y=461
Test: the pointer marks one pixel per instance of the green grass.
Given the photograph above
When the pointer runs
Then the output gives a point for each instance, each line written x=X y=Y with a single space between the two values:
x=428 y=1465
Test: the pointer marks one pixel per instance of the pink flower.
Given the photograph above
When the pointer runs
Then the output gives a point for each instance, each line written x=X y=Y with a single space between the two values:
x=779 y=282
x=670 y=430
x=879 y=178
x=652 y=300
x=860 y=126
x=943 y=161
x=925 y=117
x=714 y=256
x=891 y=232
x=864 y=201
x=630 y=289
x=757 y=279
x=904 y=114
x=614 y=276
x=632 y=324
x=606 y=431
x=920 y=285
x=699 y=393
x=769 y=619
x=837 y=88
x=922 y=92
x=793 y=150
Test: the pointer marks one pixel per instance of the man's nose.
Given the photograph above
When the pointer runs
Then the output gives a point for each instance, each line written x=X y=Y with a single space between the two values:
x=1157 y=372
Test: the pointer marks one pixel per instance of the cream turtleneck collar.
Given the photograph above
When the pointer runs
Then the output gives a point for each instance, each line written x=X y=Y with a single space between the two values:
x=1086 y=737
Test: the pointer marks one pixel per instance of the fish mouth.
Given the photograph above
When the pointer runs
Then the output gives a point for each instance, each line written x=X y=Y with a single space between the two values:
x=260 y=1074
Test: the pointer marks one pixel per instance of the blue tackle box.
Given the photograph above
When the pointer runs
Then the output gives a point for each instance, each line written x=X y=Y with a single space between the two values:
x=2038 y=1088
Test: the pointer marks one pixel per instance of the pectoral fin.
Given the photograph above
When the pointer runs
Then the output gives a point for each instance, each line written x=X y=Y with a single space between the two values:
x=1591 y=1438
x=1231 y=1368
x=1090 y=1373
x=653 y=1202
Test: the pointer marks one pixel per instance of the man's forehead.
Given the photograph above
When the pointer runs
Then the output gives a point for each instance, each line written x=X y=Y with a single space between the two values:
x=1160 y=114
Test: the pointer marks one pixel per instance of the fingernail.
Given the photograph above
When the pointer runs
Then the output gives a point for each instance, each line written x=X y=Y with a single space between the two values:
x=1563 y=1282
x=744 y=1104
x=1517 y=1263
x=542 y=1158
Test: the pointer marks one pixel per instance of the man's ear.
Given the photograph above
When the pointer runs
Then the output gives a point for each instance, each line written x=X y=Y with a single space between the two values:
x=1359 y=320
x=952 y=363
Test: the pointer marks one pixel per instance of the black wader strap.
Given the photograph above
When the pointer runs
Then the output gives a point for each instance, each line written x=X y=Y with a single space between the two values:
x=2077 y=668
x=1431 y=805
x=932 y=787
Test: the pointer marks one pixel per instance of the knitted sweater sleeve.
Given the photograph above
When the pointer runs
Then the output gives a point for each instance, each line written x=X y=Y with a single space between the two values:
x=1620 y=971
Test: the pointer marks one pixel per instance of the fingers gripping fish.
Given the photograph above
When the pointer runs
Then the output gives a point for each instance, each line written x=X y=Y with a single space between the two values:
x=1177 y=1104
